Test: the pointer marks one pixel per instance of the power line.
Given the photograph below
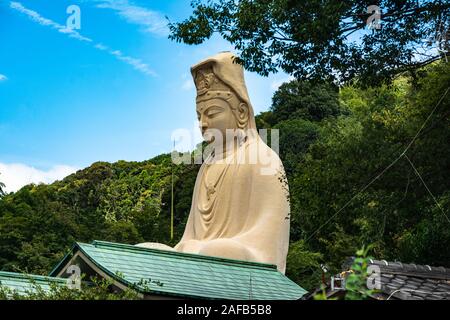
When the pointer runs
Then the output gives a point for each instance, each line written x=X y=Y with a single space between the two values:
x=429 y=191
x=360 y=191
x=426 y=120
x=386 y=169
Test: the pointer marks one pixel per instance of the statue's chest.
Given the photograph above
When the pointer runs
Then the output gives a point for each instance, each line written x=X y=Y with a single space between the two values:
x=211 y=183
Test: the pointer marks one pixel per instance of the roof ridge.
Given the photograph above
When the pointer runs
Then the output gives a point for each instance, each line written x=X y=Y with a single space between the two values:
x=29 y=275
x=411 y=267
x=183 y=254
x=408 y=269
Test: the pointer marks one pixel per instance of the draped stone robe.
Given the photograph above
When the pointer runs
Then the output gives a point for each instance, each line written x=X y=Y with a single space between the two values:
x=240 y=209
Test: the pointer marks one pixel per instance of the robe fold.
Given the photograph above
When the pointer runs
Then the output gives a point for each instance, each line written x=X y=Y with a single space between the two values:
x=240 y=207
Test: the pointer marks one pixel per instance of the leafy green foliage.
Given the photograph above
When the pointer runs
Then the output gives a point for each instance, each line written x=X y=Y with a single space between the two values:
x=304 y=100
x=303 y=132
x=95 y=289
x=323 y=40
x=355 y=187
x=332 y=150
x=356 y=281
x=303 y=266
x=120 y=202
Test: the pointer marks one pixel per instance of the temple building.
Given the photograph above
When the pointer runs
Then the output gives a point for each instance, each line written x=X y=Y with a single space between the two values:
x=160 y=274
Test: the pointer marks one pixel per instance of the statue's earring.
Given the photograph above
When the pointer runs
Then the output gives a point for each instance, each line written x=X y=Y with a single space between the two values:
x=241 y=136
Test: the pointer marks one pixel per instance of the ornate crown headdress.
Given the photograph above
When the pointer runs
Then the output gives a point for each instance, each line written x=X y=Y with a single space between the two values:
x=210 y=86
x=220 y=77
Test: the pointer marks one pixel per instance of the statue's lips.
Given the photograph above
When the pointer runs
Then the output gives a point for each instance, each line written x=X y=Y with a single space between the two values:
x=208 y=137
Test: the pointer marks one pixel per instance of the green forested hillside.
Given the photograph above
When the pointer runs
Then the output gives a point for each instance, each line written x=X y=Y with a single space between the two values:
x=334 y=142
x=123 y=202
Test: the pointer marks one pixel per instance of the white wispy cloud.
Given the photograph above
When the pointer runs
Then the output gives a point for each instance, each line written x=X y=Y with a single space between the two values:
x=17 y=175
x=137 y=64
x=36 y=17
x=150 y=21
x=3 y=77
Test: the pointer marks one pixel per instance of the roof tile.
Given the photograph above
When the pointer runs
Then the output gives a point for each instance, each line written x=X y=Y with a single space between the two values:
x=190 y=275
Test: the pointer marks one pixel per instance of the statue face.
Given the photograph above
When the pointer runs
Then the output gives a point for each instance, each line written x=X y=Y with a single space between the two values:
x=215 y=114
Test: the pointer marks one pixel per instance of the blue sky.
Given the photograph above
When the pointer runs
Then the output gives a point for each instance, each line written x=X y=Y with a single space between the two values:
x=115 y=89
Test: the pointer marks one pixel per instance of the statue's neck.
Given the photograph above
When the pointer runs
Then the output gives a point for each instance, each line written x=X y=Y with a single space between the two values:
x=226 y=149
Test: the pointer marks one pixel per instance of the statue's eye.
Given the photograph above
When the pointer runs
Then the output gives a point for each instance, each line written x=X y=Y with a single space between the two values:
x=213 y=111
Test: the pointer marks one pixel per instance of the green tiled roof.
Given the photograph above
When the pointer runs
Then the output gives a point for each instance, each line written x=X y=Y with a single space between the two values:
x=26 y=283
x=187 y=275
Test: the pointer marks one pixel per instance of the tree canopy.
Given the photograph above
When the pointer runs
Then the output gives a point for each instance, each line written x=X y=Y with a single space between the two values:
x=324 y=40
x=2 y=185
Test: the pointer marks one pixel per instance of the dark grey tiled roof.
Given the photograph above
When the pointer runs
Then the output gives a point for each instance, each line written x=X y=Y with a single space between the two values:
x=413 y=282
x=399 y=281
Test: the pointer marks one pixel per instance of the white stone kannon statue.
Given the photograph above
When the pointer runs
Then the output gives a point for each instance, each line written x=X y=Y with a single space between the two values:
x=240 y=207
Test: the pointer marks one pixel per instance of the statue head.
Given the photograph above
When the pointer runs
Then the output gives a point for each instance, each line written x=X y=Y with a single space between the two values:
x=222 y=99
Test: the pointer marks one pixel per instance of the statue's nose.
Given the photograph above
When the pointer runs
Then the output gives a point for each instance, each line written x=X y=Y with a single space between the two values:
x=203 y=124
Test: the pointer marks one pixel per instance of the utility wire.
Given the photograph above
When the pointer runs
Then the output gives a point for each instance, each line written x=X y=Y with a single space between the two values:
x=386 y=169
x=429 y=191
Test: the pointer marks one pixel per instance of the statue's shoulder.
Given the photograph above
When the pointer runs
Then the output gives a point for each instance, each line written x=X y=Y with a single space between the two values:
x=263 y=159
x=260 y=146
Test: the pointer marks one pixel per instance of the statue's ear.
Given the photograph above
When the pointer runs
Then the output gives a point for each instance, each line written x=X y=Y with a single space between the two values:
x=243 y=114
